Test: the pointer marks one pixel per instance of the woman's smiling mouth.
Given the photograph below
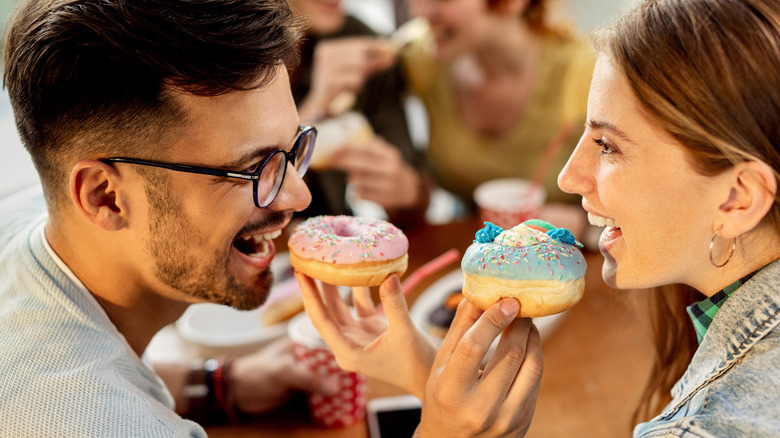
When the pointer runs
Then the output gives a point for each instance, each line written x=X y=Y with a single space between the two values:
x=611 y=233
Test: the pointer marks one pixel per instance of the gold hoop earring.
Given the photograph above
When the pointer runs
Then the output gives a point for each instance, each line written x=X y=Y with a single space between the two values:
x=731 y=254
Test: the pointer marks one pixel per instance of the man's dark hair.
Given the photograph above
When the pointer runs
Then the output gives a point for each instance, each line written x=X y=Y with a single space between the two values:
x=93 y=78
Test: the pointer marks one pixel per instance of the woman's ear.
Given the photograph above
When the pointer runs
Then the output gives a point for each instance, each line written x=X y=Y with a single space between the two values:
x=93 y=191
x=752 y=193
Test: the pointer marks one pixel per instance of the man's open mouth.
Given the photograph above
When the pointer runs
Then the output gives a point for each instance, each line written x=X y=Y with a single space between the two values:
x=256 y=245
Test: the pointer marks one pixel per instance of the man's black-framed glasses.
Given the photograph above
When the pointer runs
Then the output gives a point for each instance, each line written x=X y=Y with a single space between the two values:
x=267 y=178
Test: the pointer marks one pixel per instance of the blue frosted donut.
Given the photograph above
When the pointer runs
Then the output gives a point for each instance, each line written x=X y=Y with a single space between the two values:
x=535 y=262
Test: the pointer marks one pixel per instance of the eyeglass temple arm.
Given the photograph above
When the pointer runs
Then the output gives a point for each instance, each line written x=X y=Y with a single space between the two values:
x=181 y=167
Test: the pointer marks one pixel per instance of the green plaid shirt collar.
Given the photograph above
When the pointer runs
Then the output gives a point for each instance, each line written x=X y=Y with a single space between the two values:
x=702 y=312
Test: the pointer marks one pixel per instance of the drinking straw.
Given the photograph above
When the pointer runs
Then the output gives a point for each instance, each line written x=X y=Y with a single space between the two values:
x=425 y=271
x=551 y=151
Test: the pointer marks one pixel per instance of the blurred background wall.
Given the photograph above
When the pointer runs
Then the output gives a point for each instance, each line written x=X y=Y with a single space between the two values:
x=383 y=15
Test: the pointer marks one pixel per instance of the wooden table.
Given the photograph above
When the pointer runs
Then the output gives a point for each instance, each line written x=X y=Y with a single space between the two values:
x=595 y=362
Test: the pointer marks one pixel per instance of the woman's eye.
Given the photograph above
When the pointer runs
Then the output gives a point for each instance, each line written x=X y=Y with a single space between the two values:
x=606 y=147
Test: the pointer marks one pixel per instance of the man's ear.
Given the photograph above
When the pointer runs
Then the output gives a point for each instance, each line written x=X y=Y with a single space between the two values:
x=93 y=190
x=752 y=193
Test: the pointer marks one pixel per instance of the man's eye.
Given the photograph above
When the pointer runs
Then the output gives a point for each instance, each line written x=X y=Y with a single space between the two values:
x=253 y=168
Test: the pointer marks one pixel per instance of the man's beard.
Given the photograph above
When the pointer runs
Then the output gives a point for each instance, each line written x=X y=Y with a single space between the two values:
x=203 y=278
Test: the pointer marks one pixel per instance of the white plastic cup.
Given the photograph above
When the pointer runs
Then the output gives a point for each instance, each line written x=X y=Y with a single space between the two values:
x=507 y=202
x=348 y=405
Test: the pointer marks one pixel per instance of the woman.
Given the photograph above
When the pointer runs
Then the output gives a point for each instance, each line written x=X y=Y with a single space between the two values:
x=500 y=84
x=679 y=161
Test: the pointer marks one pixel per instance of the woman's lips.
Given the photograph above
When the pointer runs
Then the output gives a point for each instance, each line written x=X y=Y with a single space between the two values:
x=609 y=237
x=612 y=231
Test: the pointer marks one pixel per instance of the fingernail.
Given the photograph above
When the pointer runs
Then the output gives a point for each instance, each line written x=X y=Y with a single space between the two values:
x=510 y=307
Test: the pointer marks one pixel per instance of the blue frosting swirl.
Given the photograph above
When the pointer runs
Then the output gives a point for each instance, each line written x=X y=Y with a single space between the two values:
x=489 y=233
x=563 y=235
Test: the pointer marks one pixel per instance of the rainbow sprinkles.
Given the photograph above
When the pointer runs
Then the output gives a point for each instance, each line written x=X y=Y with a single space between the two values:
x=533 y=250
x=348 y=240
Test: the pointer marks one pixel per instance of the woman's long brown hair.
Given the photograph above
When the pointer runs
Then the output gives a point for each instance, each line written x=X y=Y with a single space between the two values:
x=675 y=343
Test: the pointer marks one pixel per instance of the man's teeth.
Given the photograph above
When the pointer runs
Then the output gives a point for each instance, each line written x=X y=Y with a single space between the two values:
x=256 y=245
x=261 y=242
x=267 y=236
x=601 y=221
x=262 y=248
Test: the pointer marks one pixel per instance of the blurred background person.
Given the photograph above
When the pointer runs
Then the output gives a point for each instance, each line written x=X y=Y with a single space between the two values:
x=349 y=86
x=501 y=86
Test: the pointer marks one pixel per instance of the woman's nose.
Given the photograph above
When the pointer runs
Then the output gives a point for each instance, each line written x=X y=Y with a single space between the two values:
x=576 y=175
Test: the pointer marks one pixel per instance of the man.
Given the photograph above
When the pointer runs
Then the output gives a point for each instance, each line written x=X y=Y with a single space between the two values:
x=167 y=143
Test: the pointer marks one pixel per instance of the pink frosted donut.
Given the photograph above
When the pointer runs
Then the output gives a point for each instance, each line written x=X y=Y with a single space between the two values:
x=347 y=250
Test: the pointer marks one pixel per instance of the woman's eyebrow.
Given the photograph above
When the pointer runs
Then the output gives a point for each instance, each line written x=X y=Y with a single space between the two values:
x=596 y=124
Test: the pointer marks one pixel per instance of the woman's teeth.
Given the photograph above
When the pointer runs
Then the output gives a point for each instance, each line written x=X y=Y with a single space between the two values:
x=601 y=221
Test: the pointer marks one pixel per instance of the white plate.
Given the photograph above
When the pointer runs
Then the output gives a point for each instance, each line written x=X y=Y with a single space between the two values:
x=218 y=327
x=435 y=295
x=215 y=325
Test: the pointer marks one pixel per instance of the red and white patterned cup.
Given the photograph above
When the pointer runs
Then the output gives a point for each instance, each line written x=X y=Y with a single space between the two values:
x=348 y=405
x=507 y=202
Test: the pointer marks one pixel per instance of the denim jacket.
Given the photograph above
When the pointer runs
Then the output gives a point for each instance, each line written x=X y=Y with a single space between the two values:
x=732 y=385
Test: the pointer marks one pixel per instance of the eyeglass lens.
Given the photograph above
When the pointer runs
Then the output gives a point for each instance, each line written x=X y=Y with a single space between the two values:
x=272 y=175
x=304 y=152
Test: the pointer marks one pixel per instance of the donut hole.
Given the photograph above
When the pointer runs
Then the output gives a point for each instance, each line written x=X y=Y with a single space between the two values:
x=345 y=229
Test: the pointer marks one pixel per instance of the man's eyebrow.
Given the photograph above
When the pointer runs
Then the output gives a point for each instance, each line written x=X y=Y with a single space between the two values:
x=596 y=124
x=250 y=157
